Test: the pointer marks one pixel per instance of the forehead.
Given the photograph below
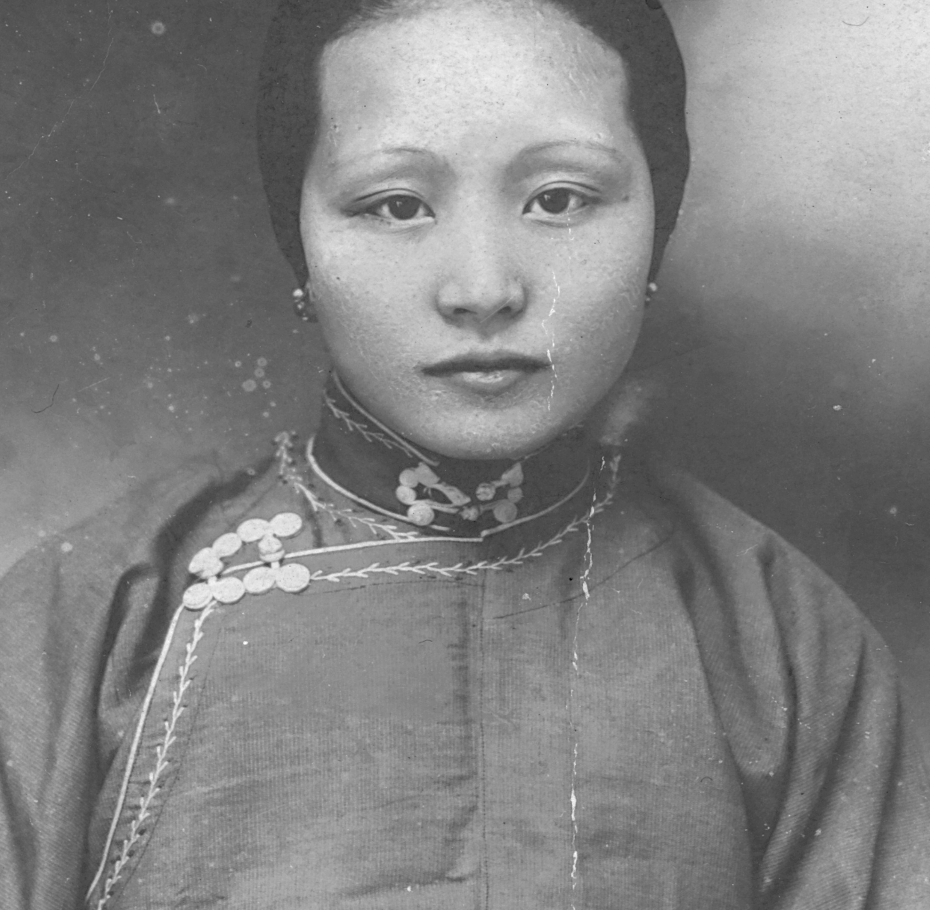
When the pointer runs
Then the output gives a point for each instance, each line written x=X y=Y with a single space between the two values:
x=470 y=72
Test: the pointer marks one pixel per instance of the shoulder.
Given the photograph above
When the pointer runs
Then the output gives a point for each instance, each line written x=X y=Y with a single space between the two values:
x=145 y=527
x=66 y=602
x=703 y=529
x=757 y=605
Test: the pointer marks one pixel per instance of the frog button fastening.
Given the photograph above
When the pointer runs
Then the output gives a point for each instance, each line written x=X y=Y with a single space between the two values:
x=267 y=533
x=207 y=565
x=422 y=512
x=292 y=578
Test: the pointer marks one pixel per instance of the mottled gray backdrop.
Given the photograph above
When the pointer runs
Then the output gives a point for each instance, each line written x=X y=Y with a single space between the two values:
x=144 y=310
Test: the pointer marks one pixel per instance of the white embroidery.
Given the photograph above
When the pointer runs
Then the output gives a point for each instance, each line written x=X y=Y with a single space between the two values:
x=461 y=568
x=369 y=435
x=290 y=474
x=136 y=828
x=372 y=525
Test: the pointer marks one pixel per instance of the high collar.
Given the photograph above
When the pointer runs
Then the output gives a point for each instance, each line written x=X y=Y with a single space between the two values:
x=365 y=460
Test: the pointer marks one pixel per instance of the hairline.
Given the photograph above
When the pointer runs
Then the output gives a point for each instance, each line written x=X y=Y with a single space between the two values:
x=400 y=10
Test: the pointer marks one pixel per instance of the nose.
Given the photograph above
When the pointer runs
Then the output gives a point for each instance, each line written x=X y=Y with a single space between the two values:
x=481 y=281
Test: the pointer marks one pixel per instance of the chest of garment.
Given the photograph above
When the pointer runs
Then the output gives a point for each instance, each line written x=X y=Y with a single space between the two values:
x=430 y=724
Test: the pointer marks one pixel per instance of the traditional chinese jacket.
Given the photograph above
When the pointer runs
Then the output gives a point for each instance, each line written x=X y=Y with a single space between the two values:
x=366 y=678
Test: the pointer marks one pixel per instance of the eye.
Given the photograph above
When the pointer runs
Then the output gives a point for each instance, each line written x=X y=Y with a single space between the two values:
x=558 y=201
x=400 y=207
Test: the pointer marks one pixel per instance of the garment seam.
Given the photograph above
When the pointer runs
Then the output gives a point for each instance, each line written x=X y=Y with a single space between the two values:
x=134 y=748
x=433 y=569
x=142 y=814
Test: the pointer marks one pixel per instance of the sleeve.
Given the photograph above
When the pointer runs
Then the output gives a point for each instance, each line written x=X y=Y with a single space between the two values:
x=834 y=780
x=853 y=825
x=81 y=618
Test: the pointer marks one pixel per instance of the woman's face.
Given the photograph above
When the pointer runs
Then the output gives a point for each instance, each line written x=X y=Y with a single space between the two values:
x=477 y=217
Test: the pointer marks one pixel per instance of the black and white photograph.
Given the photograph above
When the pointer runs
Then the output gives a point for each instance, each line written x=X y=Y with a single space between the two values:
x=464 y=455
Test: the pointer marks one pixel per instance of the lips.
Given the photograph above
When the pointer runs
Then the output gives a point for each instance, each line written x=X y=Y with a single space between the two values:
x=486 y=363
x=491 y=376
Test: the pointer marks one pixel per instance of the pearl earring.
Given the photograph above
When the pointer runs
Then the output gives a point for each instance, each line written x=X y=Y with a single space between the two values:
x=304 y=306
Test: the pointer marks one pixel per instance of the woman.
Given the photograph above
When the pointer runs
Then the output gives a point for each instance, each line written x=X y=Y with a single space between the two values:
x=453 y=652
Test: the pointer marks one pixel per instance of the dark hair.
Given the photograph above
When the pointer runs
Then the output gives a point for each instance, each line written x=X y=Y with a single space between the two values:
x=289 y=98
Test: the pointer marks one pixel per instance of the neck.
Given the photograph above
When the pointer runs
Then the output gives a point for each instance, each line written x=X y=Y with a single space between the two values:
x=368 y=461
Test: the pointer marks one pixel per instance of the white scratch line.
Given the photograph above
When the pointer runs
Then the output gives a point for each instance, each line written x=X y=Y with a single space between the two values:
x=576 y=673
x=549 y=348
x=574 y=822
x=105 y=378
x=61 y=122
x=157 y=108
x=42 y=139
x=106 y=57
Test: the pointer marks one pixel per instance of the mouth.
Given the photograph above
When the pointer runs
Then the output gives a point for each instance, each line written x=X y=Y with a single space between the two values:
x=488 y=364
x=487 y=375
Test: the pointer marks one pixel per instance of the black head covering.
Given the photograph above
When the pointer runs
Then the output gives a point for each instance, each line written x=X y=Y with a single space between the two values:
x=289 y=101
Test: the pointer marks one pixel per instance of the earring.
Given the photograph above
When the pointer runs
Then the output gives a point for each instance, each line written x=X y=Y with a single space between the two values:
x=651 y=289
x=303 y=305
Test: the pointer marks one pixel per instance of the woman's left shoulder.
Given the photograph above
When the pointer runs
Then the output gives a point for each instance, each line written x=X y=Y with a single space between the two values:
x=745 y=588
x=703 y=529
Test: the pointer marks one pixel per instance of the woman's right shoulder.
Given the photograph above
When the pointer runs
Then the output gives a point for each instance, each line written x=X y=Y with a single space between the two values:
x=73 y=578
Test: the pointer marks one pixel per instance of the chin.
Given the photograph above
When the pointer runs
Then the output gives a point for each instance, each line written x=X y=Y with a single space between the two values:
x=486 y=441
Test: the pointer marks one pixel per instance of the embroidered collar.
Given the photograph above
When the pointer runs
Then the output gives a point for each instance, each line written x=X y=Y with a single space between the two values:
x=366 y=461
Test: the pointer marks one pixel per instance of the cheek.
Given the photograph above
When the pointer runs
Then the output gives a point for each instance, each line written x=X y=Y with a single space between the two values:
x=365 y=325
x=600 y=298
x=356 y=297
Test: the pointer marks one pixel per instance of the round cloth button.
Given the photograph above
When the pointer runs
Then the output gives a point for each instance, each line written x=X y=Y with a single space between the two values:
x=253 y=529
x=293 y=577
x=505 y=511
x=228 y=590
x=287 y=524
x=206 y=564
x=196 y=597
x=260 y=580
x=406 y=495
x=270 y=549
x=421 y=514
x=408 y=478
x=425 y=475
x=227 y=545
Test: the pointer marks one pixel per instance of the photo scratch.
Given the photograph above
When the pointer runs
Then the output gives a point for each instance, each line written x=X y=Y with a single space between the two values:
x=92 y=385
x=551 y=345
x=576 y=673
x=106 y=57
x=61 y=122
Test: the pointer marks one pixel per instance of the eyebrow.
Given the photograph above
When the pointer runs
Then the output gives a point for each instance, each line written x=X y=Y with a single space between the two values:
x=572 y=144
x=530 y=151
x=388 y=151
